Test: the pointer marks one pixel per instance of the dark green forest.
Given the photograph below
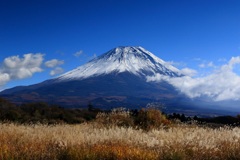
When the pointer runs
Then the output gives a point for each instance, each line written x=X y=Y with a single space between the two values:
x=40 y=112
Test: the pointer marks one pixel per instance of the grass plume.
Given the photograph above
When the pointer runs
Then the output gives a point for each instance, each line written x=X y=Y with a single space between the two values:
x=86 y=141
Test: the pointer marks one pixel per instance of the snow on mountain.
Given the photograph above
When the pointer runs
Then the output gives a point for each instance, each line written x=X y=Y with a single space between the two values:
x=135 y=60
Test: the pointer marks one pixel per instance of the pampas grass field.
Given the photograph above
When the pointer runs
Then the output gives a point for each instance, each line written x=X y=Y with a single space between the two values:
x=114 y=136
x=87 y=141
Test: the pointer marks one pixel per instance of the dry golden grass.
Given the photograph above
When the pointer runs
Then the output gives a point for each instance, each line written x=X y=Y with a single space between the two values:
x=87 y=141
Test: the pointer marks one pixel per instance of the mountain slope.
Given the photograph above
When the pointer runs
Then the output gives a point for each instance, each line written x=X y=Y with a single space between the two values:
x=135 y=60
x=116 y=78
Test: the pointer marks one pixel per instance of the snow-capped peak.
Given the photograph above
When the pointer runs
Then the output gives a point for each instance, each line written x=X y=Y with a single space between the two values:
x=135 y=60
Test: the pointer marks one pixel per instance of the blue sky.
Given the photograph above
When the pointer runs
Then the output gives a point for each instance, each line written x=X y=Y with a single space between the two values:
x=59 y=35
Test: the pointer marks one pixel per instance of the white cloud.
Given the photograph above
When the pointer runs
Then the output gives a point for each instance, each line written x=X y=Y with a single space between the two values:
x=4 y=78
x=222 y=84
x=15 y=67
x=233 y=61
x=55 y=71
x=53 y=63
x=207 y=65
x=188 y=72
x=202 y=65
x=197 y=59
x=79 y=53
x=176 y=64
x=222 y=60
x=210 y=64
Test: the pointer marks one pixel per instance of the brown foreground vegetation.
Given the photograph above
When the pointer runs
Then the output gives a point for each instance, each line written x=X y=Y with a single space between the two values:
x=116 y=136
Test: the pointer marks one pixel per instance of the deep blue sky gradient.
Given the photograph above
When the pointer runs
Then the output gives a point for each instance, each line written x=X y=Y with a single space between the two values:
x=183 y=31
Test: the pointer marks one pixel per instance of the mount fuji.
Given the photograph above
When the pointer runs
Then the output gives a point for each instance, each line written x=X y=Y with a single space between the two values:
x=117 y=78
x=134 y=60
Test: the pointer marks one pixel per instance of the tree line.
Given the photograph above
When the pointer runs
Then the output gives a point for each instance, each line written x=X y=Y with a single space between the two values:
x=40 y=112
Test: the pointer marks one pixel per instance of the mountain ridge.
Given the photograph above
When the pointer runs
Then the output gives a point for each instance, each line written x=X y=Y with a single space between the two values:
x=120 y=73
x=135 y=60
x=117 y=78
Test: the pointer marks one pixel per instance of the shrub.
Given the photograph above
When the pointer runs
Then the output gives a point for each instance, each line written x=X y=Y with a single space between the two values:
x=117 y=117
x=151 y=118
